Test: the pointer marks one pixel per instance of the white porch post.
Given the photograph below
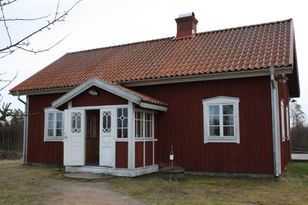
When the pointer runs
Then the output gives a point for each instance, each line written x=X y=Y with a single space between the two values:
x=131 y=136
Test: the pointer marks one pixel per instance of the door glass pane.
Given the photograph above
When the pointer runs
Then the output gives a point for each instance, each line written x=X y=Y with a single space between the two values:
x=106 y=121
x=76 y=122
x=124 y=133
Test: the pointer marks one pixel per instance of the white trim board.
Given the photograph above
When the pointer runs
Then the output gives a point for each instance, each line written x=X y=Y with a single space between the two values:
x=207 y=77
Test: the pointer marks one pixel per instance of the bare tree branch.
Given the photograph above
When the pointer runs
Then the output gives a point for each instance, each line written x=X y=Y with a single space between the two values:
x=24 y=19
x=8 y=82
x=22 y=44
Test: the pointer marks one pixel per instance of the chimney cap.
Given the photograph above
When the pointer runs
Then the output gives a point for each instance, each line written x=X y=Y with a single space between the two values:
x=187 y=15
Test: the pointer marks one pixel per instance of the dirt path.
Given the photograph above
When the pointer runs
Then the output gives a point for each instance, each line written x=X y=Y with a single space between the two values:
x=39 y=185
x=75 y=193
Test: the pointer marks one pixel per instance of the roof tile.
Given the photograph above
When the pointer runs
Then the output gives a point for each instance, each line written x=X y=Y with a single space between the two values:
x=236 y=49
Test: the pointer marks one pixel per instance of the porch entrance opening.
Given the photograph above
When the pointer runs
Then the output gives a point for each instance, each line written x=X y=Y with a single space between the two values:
x=92 y=137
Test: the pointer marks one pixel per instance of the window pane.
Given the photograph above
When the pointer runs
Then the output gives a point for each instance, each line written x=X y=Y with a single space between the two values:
x=214 y=120
x=228 y=120
x=148 y=116
x=50 y=124
x=227 y=109
x=214 y=109
x=58 y=132
x=50 y=133
x=59 y=125
x=50 y=116
x=59 y=116
x=229 y=131
x=214 y=131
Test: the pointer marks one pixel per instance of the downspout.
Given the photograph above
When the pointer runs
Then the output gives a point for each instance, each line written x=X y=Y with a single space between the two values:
x=25 y=135
x=275 y=123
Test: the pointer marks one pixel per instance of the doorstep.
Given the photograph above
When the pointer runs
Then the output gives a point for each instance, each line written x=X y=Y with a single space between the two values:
x=113 y=171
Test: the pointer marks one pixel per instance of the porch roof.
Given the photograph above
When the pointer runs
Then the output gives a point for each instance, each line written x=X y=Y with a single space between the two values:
x=116 y=89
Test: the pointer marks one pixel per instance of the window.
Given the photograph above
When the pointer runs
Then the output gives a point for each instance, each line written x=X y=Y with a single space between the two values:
x=53 y=130
x=288 y=122
x=221 y=119
x=122 y=126
x=144 y=124
x=282 y=120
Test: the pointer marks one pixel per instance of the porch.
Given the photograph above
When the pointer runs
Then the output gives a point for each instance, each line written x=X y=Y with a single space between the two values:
x=99 y=137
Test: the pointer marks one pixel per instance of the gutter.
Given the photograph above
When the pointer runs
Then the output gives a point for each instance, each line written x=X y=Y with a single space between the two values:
x=25 y=134
x=275 y=123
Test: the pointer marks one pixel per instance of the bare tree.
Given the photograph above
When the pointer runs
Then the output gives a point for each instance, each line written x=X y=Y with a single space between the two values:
x=13 y=43
x=297 y=114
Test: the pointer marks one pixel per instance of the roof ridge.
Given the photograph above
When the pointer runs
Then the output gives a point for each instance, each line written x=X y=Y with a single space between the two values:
x=245 y=26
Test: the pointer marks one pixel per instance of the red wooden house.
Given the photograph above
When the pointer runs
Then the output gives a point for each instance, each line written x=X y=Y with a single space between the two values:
x=219 y=98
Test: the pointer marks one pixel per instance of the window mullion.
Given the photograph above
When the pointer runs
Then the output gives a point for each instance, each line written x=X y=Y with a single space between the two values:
x=221 y=121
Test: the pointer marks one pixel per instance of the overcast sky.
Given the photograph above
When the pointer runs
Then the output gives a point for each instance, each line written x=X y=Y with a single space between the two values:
x=100 y=23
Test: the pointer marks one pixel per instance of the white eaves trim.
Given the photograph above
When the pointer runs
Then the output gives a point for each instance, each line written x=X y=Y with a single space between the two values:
x=153 y=107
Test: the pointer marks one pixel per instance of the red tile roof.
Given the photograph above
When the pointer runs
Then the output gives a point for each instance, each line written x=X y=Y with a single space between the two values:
x=237 y=49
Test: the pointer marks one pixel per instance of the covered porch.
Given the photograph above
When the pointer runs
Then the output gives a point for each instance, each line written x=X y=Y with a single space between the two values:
x=109 y=129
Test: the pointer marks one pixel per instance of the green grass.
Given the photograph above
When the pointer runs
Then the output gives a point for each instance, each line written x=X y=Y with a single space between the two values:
x=29 y=185
x=292 y=188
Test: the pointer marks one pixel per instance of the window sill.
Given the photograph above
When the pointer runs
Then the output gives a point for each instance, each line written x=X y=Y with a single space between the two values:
x=51 y=139
x=222 y=140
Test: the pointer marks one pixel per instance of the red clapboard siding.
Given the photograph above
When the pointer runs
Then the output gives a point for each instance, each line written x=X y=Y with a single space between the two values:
x=121 y=154
x=138 y=154
x=38 y=150
x=182 y=126
x=148 y=153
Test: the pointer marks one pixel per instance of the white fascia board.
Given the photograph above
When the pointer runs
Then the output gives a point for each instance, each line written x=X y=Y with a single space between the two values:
x=98 y=83
x=153 y=107
x=207 y=77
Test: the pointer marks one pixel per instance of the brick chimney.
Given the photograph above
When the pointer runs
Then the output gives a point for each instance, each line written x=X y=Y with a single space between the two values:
x=186 y=25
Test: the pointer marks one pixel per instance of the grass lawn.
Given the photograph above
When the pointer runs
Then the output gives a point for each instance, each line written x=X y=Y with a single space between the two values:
x=25 y=184
x=291 y=188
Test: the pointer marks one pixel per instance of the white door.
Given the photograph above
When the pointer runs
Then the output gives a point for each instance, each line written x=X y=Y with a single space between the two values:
x=74 y=137
x=107 y=137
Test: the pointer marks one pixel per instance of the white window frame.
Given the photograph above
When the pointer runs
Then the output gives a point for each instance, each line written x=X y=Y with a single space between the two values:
x=143 y=112
x=221 y=100
x=54 y=137
x=282 y=121
x=288 y=122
